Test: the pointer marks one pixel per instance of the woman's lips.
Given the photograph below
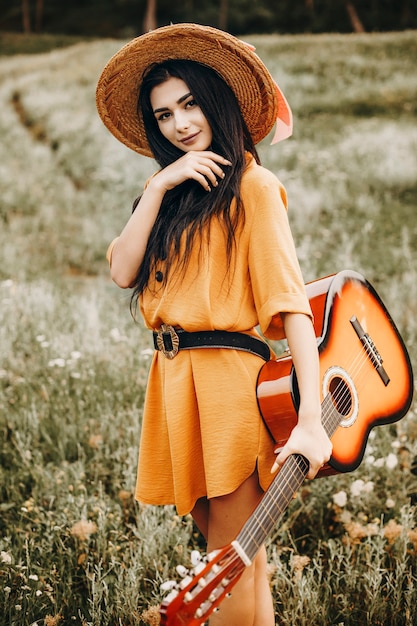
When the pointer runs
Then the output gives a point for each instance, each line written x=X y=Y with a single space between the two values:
x=190 y=138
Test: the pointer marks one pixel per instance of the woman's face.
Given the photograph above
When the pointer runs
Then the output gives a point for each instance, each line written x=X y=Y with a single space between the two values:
x=179 y=117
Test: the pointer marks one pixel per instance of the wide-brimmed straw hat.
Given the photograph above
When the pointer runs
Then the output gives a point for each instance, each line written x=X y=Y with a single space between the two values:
x=261 y=102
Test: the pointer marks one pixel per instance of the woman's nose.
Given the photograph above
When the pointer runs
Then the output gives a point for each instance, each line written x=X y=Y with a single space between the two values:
x=182 y=121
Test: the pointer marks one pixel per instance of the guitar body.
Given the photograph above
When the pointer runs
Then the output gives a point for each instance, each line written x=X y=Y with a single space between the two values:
x=366 y=380
x=370 y=381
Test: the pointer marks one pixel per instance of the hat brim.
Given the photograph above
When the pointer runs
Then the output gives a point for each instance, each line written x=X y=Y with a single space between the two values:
x=119 y=84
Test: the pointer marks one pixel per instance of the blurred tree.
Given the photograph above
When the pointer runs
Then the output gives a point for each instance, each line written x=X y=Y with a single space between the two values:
x=355 y=21
x=122 y=18
x=149 y=21
x=39 y=15
x=223 y=14
x=26 y=16
x=405 y=13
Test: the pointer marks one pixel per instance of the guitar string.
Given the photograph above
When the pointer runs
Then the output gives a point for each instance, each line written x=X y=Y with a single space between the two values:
x=345 y=394
x=341 y=401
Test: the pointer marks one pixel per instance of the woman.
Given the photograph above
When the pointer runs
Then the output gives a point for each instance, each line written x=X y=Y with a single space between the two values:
x=209 y=255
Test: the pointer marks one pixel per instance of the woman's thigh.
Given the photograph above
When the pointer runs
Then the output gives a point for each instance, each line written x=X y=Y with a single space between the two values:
x=220 y=519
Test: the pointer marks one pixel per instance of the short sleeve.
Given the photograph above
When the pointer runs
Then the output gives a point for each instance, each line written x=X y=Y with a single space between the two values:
x=276 y=279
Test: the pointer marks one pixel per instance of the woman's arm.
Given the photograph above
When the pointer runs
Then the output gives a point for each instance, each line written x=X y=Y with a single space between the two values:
x=129 y=249
x=308 y=437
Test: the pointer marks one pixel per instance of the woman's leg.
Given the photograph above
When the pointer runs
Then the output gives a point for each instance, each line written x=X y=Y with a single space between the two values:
x=264 y=605
x=220 y=520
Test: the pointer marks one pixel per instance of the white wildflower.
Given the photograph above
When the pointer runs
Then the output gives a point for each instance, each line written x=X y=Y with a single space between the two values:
x=356 y=487
x=33 y=577
x=379 y=462
x=390 y=503
x=340 y=498
x=75 y=355
x=5 y=557
x=360 y=486
x=116 y=335
x=57 y=363
x=368 y=486
x=391 y=461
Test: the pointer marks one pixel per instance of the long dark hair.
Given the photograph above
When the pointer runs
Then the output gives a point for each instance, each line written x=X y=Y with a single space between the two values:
x=188 y=207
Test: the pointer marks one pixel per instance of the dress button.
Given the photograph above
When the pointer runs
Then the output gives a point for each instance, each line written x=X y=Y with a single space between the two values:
x=159 y=276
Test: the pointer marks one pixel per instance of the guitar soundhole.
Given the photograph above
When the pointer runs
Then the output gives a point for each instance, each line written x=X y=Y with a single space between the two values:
x=341 y=388
x=341 y=396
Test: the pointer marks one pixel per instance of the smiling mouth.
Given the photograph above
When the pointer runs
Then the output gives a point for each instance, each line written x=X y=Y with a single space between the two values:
x=189 y=138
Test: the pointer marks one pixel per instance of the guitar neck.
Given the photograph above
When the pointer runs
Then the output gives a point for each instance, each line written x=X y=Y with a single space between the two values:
x=272 y=506
x=280 y=493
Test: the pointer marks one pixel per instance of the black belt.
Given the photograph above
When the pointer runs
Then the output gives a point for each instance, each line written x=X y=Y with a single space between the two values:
x=170 y=340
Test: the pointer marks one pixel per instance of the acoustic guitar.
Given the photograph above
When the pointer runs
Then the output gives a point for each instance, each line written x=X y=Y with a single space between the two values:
x=366 y=380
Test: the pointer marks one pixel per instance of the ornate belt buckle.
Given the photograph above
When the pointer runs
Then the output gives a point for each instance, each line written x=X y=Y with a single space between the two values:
x=168 y=341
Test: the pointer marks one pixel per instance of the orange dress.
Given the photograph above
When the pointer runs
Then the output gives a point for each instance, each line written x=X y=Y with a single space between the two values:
x=202 y=433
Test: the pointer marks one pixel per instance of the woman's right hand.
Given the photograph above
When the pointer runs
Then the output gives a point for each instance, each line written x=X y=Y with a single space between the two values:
x=203 y=167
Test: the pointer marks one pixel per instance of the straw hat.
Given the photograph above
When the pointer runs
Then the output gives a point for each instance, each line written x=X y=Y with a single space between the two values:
x=261 y=102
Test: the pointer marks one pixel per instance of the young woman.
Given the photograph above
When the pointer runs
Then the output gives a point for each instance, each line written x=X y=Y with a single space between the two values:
x=209 y=255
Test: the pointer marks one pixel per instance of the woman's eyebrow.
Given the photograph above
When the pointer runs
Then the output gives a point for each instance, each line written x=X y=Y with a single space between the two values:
x=184 y=97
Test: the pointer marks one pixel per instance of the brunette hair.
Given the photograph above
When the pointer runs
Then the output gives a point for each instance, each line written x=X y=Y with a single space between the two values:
x=188 y=207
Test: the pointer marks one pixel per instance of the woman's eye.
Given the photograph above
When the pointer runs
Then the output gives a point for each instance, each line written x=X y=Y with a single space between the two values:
x=163 y=116
x=191 y=103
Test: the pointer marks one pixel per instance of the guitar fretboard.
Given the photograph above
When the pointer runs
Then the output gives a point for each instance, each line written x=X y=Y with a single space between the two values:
x=281 y=491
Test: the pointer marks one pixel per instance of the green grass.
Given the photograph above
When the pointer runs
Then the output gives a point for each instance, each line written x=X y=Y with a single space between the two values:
x=75 y=548
x=20 y=43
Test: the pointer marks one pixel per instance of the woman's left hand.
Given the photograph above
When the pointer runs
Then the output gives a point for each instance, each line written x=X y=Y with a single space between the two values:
x=309 y=440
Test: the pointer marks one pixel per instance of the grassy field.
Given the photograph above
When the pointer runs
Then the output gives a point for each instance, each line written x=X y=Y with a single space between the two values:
x=75 y=548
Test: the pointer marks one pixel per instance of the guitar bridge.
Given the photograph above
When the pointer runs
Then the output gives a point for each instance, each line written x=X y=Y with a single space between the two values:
x=370 y=349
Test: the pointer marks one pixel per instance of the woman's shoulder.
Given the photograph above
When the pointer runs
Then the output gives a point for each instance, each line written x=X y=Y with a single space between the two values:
x=258 y=180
